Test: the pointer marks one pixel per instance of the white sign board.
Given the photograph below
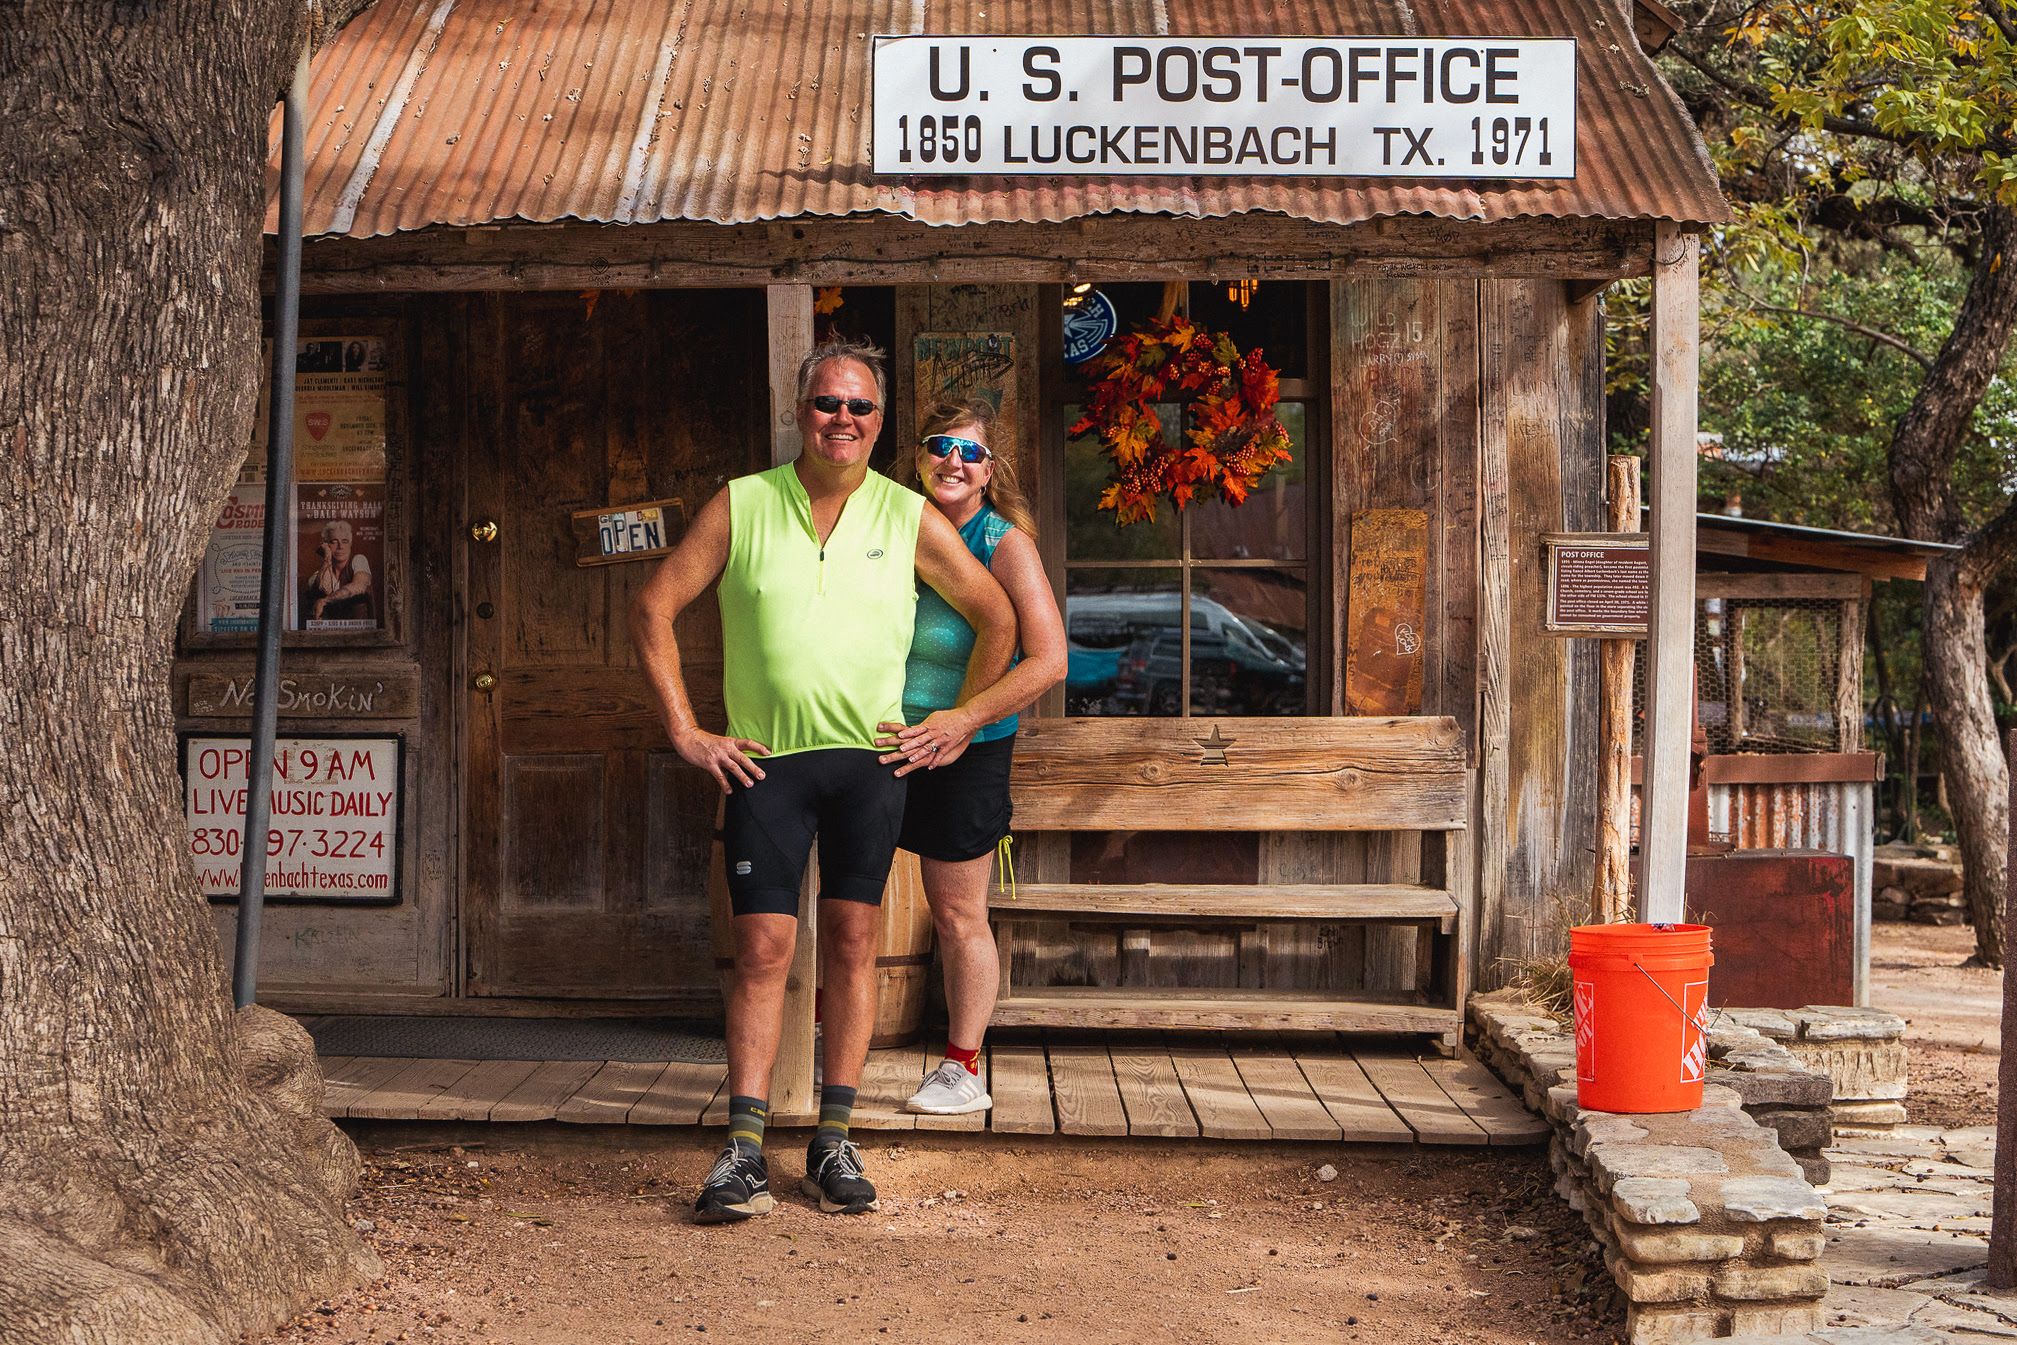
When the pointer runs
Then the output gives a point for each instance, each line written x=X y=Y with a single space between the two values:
x=333 y=834
x=1448 y=107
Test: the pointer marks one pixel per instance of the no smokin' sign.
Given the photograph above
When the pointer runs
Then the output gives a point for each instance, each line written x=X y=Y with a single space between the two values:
x=1359 y=106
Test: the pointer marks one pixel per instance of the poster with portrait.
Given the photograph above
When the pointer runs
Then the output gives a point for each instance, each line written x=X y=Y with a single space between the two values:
x=227 y=586
x=339 y=556
x=336 y=530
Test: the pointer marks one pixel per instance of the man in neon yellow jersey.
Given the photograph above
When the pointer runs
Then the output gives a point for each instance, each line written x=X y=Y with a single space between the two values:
x=818 y=562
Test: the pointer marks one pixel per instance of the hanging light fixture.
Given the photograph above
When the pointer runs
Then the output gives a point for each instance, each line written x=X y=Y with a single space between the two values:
x=1242 y=292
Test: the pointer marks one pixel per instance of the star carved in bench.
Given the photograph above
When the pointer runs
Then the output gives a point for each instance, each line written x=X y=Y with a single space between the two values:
x=1215 y=748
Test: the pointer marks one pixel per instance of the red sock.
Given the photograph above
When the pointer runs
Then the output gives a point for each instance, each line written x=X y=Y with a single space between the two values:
x=968 y=1058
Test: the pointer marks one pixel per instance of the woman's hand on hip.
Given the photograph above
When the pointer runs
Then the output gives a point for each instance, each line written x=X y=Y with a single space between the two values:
x=934 y=741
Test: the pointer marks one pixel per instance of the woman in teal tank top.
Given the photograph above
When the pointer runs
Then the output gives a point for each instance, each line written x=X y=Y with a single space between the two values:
x=957 y=756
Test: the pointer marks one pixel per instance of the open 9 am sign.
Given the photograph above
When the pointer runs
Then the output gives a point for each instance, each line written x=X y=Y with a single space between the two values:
x=333 y=832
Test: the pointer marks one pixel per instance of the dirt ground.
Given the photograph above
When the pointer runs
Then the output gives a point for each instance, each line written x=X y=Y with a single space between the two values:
x=558 y=1236
x=555 y=1235
x=1954 y=1014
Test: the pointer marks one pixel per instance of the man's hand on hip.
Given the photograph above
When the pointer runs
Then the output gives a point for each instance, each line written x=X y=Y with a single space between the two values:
x=721 y=756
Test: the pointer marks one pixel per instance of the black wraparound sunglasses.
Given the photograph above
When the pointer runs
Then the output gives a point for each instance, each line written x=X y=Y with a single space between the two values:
x=943 y=445
x=827 y=405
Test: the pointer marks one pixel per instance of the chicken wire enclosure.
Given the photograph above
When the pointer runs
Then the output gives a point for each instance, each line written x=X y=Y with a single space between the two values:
x=1780 y=674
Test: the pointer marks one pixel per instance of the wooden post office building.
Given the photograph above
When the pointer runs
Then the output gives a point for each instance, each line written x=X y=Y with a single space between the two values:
x=1317 y=762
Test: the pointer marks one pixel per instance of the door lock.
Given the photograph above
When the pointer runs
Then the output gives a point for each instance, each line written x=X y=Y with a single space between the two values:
x=484 y=682
x=486 y=531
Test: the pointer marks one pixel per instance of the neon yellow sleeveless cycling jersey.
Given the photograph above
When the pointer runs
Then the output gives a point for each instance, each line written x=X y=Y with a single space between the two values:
x=814 y=638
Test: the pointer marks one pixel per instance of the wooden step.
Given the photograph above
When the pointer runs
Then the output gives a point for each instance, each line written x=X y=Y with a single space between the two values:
x=1191 y=903
x=1257 y=1010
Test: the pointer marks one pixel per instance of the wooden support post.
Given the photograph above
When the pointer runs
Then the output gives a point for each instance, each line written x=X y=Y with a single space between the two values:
x=1495 y=636
x=1670 y=632
x=1849 y=678
x=791 y=1091
x=1612 y=896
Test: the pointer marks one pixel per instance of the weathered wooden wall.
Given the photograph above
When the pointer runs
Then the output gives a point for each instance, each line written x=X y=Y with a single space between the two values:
x=588 y=872
x=1542 y=371
x=378 y=952
x=1478 y=402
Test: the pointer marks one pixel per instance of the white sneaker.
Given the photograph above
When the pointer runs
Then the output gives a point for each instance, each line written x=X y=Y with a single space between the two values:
x=950 y=1090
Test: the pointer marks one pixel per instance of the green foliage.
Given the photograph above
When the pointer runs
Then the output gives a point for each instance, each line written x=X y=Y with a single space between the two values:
x=1804 y=398
x=1892 y=92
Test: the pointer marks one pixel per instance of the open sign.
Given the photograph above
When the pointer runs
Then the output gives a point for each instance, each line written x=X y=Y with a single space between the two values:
x=639 y=531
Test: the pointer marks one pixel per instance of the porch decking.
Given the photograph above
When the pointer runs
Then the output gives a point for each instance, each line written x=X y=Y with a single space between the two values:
x=1316 y=1086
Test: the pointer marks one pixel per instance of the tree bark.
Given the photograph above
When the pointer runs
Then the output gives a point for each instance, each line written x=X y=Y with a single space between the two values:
x=1922 y=455
x=165 y=1173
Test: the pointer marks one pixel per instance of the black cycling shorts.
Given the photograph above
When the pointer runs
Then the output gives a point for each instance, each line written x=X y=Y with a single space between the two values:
x=852 y=802
x=961 y=811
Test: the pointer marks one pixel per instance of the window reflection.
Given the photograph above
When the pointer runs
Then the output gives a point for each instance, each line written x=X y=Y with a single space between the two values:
x=1249 y=651
x=1109 y=614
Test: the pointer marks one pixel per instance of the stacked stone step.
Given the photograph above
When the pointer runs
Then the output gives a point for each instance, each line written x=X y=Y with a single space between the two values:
x=1707 y=1218
x=1533 y=1052
x=1706 y=1224
x=1861 y=1050
x=1919 y=883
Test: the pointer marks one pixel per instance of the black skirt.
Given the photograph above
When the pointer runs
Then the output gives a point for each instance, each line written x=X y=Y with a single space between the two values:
x=961 y=811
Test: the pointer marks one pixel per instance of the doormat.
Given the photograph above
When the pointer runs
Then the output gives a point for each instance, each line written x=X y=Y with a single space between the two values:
x=441 y=1038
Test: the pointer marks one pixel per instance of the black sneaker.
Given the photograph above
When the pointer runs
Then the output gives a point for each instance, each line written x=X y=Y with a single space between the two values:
x=833 y=1173
x=737 y=1187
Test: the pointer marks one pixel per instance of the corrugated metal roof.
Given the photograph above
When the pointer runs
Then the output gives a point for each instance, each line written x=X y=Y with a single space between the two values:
x=468 y=112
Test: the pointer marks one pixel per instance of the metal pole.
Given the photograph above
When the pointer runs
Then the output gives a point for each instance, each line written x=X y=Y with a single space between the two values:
x=273 y=580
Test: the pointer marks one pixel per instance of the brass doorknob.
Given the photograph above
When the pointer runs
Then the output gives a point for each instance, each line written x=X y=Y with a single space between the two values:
x=485 y=531
x=484 y=682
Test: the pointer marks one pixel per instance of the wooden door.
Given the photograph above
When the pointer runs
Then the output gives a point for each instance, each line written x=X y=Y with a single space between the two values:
x=587 y=841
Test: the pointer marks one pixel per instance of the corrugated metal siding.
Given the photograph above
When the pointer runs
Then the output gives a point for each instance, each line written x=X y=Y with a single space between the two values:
x=466 y=112
x=1835 y=816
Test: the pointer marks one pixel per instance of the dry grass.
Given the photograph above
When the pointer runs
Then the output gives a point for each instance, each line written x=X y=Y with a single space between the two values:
x=1545 y=980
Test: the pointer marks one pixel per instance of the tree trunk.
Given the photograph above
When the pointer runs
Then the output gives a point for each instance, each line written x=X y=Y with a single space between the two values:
x=1922 y=456
x=2003 y=1189
x=1970 y=759
x=165 y=1173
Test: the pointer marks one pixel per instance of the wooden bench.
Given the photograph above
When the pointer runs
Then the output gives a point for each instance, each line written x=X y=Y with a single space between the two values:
x=1268 y=775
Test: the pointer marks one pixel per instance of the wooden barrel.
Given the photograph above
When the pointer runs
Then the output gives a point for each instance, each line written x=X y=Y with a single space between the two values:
x=903 y=961
x=721 y=930
x=903 y=957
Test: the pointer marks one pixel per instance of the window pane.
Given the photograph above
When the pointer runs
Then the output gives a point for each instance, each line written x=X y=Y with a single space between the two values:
x=1276 y=319
x=1119 y=625
x=1091 y=534
x=1249 y=642
x=1272 y=524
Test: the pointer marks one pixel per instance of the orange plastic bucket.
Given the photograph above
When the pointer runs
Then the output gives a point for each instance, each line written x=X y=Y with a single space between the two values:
x=1640 y=993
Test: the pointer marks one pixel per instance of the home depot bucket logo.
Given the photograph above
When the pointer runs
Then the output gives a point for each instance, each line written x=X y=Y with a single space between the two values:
x=1586 y=1032
x=1694 y=1041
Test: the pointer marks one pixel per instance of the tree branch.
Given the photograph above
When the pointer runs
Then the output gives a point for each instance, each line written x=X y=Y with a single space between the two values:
x=2005 y=25
x=1747 y=92
x=1931 y=431
x=1861 y=329
x=1992 y=546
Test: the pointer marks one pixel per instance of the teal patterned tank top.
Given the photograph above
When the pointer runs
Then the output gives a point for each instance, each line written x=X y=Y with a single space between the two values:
x=943 y=641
